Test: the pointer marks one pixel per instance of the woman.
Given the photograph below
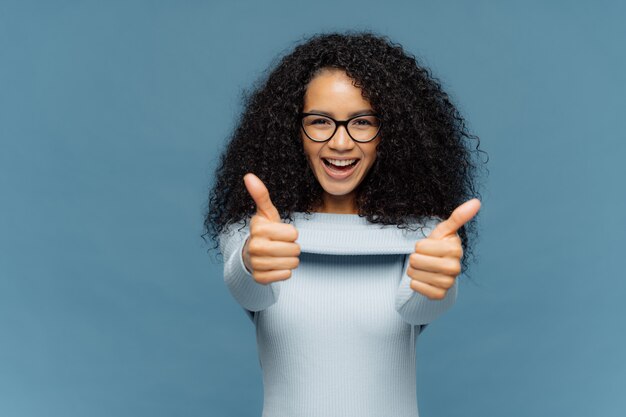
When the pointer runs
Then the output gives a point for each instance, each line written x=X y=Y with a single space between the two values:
x=329 y=207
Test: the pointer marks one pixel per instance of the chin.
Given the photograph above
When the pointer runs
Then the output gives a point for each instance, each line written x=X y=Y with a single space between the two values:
x=338 y=188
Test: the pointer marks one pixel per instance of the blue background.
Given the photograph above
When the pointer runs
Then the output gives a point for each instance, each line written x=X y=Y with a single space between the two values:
x=112 y=115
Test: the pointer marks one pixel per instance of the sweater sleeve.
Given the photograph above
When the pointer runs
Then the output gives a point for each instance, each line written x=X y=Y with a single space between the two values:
x=416 y=308
x=251 y=295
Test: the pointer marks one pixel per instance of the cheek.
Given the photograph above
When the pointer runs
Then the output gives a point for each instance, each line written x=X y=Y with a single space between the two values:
x=311 y=151
x=309 y=154
x=372 y=156
x=373 y=153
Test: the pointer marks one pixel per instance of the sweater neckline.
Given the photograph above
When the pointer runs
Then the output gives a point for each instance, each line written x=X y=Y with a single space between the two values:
x=351 y=234
x=332 y=218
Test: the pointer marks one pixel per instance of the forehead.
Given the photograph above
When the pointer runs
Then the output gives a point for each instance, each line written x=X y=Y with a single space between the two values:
x=333 y=90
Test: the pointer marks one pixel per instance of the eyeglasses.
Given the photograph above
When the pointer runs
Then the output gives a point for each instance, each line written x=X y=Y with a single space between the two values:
x=320 y=128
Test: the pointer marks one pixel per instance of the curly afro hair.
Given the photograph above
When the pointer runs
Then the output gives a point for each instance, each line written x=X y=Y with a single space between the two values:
x=424 y=166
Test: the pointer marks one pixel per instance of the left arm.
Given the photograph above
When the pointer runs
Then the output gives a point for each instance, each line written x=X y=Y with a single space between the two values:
x=416 y=308
x=428 y=286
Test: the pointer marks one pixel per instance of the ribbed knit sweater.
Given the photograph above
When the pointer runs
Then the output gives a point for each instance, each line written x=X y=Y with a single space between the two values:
x=337 y=339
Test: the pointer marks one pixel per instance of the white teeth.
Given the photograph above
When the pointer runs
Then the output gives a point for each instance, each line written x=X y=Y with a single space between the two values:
x=340 y=163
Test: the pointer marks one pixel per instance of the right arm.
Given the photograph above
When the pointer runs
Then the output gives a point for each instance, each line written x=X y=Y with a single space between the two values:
x=271 y=253
x=250 y=294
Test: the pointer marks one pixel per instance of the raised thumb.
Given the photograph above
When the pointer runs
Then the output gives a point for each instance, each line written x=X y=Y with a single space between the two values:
x=261 y=196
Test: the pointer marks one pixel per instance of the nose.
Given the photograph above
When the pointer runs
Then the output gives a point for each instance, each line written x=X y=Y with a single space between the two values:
x=341 y=139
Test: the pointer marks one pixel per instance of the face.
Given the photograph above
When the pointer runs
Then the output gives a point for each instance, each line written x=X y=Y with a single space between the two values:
x=331 y=92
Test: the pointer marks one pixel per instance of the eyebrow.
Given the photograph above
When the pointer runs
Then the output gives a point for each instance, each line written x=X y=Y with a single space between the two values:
x=358 y=112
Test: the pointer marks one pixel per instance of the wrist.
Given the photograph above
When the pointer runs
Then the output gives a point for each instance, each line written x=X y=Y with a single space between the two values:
x=246 y=257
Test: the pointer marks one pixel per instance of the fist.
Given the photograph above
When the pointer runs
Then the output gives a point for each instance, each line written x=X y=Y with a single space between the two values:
x=436 y=261
x=270 y=253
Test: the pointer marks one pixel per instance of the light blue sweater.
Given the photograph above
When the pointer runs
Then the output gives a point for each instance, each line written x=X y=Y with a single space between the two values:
x=338 y=337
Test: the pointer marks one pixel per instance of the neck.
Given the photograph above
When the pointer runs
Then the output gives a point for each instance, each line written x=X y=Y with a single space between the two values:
x=344 y=204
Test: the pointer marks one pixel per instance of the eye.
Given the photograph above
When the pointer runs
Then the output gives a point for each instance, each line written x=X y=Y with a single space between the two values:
x=319 y=121
x=362 y=122
x=365 y=122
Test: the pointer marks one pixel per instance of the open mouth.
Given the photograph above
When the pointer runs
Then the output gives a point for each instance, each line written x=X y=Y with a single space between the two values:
x=340 y=168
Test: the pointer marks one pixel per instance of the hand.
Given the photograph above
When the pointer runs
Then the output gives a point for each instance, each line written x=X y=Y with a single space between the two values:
x=270 y=252
x=436 y=262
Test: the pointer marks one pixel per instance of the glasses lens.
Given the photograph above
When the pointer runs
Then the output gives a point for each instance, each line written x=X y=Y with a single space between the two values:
x=364 y=128
x=318 y=127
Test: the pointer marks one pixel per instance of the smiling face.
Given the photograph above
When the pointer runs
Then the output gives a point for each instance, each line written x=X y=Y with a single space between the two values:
x=332 y=93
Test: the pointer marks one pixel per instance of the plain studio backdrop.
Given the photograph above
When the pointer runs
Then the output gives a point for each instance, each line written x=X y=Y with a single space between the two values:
x=112 y=115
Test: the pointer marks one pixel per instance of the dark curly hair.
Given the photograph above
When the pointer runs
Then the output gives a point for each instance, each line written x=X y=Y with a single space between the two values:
x=424 y=166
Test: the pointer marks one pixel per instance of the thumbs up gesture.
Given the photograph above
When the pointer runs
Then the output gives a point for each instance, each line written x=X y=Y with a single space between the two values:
x=436 y=262
x=270 y=252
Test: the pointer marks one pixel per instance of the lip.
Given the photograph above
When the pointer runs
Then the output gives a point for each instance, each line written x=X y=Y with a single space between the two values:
x=340 y=175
